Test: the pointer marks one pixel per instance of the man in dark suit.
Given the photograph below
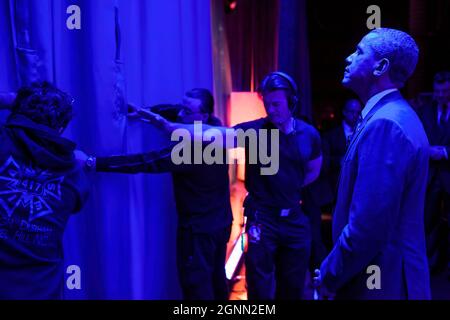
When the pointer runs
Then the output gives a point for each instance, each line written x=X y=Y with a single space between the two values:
x=378 y=230
x=435 y=119
x=334 y=142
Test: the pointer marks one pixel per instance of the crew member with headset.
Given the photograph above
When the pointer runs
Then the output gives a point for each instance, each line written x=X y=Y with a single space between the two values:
x=279 y=232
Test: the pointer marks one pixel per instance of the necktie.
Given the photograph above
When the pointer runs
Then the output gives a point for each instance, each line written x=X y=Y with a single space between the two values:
x=358 y=123
x=357 y=128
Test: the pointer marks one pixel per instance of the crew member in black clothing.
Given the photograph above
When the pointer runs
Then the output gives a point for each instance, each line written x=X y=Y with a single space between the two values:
x=436 y=121
x=278 y=231
x=202 y=199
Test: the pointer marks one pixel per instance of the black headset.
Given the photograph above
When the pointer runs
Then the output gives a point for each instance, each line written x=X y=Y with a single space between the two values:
x=293 y=97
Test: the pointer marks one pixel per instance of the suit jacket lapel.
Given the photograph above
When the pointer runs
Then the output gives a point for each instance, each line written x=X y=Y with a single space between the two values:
x=433 y=122
x=383 y=101
x=393 y=96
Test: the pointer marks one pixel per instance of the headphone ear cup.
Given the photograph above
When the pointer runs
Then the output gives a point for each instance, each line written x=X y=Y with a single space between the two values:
x=293 y=101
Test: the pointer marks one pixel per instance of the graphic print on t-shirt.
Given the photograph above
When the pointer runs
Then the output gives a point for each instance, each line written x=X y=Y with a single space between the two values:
x=27 y=188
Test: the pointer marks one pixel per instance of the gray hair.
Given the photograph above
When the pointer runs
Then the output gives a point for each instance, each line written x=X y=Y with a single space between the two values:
x=400 y=49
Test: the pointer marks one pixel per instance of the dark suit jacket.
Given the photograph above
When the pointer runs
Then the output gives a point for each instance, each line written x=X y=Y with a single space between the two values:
x=437 y=137
x=378 y=219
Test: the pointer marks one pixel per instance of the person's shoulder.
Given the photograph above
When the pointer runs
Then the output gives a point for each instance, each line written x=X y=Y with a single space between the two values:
x=214 y=121
x=399 y=121
x=306 y=128
x=254 y=124
x=399 y=112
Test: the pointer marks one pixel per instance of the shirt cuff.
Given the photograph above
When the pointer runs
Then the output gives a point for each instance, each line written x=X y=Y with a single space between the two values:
x=445 y=153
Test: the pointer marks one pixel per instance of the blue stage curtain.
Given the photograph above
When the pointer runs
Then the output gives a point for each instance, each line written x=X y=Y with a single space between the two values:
x=140 y=51
x=293 y=50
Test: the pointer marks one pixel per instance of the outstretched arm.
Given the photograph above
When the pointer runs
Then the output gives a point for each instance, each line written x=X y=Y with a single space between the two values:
x=150 y=162
x=197 y=131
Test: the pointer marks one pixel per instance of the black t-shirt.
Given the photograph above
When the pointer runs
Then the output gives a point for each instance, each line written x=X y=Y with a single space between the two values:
x=40 y=187
x=283 y=189
x=202 y=193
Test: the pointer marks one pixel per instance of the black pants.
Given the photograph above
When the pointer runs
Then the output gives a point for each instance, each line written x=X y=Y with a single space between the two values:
x=201 y=264
x=318 y=250
x=277 y=257
x=437 y=225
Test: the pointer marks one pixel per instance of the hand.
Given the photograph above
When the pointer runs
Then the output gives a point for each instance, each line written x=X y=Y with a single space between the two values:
x=132 y=112
x=324 y=293
x=155 y=119
x=81 y=157
x=437 y=152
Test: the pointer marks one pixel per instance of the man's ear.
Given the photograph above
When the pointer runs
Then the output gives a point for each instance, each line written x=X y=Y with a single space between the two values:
x=381 y=67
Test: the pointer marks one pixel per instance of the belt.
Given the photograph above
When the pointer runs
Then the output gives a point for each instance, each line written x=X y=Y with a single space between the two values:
x=280 y=212
x=252 y=204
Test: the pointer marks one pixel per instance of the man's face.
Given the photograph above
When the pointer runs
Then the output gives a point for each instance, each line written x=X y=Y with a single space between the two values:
x=192 y=111
x=360 y=65
x=351 y=112
x=441 y=92
x=277 y=108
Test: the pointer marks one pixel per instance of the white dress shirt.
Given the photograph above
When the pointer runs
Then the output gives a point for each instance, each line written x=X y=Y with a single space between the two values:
x=374 y=100
x=348 y=130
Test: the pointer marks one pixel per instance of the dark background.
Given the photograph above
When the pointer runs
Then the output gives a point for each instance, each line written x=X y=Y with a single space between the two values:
x=257 y=37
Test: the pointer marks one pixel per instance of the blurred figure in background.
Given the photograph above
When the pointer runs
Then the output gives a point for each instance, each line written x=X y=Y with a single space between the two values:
x=435 y=119
x=335 y=143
